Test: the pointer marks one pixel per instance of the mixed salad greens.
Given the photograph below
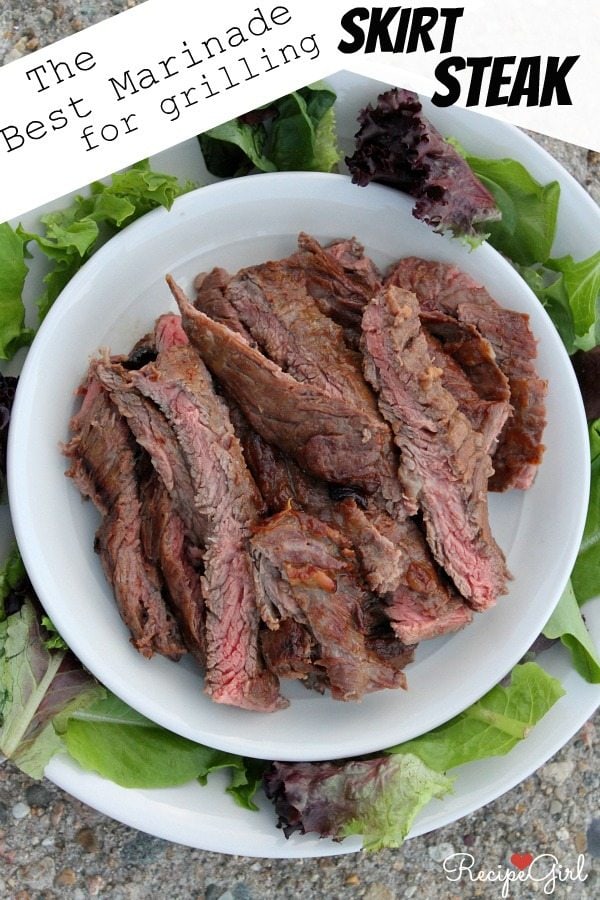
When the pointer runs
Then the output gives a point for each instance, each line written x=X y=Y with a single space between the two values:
x=49 y=703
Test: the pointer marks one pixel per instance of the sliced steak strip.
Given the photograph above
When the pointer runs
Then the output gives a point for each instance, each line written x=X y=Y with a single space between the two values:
x=225 y=502
x=333 y=440
x=153 y=432
x=425 y=603
x=444 y=288
x=340 y=278
x=165 y=545
x=210 y=299
x=416 y=616
x=103 y=465
x=443 y=458
x=305 y=571
x=471 y=351
x=487 y=417
x=272 y=302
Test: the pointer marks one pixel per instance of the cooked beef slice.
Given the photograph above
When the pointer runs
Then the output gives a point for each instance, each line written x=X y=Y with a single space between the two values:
x=272 y=302
x=471 y=351
x=487 y=417
x=103 y=465
x=153 y=432
x=350 y=254
x=306 y=571
x=281 y=481
x=334 y=440
x=224 y=504
x=168 y=333
x=165 y=545
x=289 y=651
x=425 y=603
x=444 y=288
x=341 y=280
x=443 y=459
x=278 y=478
x=380 y=638
x=210 y=299
x=416 y=617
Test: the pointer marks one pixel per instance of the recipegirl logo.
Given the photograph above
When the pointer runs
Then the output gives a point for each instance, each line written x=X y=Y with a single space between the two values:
x=544 y=869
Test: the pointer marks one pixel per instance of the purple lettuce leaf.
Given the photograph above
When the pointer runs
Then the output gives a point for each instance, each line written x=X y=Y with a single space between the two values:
x=398 y=146
x=377 y=798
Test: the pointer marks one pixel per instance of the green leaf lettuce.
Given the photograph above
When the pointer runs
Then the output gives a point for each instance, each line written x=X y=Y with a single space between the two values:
x=493 y=725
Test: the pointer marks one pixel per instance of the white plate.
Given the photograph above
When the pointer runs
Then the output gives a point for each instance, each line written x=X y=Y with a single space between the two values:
x=113 y=301
x=206 y=817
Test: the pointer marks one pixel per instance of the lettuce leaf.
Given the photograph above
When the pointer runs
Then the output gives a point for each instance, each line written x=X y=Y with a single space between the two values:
x=12 y=577
x=294 y=133
x=72 y=234
x=567 y=624
x=571 y=297
x=586 y=573
x=387 y=808
x=36 y=685
x=377 y=798
x=526 y=231
x=490 y=727
x=580 y=282
x=13 y=272
x=122 y=745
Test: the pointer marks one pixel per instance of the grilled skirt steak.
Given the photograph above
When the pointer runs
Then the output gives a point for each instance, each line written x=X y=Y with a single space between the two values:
x=444 y=288
x=443 y=459
x=104 y=467
x=306 y=571
x=320 y=507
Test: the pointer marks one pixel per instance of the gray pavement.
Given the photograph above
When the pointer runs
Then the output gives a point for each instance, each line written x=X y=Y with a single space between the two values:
x=53 y=846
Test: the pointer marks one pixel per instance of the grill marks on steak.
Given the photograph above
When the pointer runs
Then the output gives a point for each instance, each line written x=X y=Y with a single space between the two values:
x=444 y=288
x=306 y=571
x=443 y=459
x=104 y=466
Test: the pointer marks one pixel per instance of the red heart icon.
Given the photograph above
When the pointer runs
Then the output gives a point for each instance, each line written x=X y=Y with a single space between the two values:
x=521 y=860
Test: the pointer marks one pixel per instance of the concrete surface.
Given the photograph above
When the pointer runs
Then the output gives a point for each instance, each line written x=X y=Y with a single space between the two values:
x=53 y=846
